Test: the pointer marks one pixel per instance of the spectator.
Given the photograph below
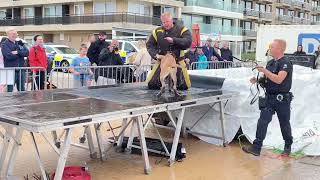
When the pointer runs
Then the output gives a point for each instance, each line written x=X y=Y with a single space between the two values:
x=317 y=52
x=13 y=55
x=203 y=63
x=82 y=76
x=299 y=51
x=226 y=53
x=38 y=58
x=191 y=56
x=91 y=40
x=143 y=61
x=209 y=51
x=216 y=48
x=2 y=84
x=109 y=56
x=96 y=47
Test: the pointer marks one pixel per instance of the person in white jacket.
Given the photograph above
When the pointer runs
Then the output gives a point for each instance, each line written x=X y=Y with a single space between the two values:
x=2 y=85
x=143 y=61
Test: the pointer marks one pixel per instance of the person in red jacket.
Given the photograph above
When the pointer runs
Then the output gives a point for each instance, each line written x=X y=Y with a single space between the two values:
x=38 y=58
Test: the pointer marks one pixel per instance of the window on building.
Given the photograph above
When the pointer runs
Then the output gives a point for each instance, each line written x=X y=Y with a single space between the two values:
x=79 y=9
x=291 y=13
x=186 y=18
x=247 y=25
x=268 y=8
x=248 y=4
x=197 y=19
x=28 y=12
x=136 y=8
x=260 y=7
x=53 y=10
x=280 y=12
x=301 y=15
x=104 y=7
x=227 y=25
x=171 y=10
x=2 y=14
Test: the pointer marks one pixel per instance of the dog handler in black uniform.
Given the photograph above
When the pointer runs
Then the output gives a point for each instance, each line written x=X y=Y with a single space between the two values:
x=174 y=38
x=277 y=81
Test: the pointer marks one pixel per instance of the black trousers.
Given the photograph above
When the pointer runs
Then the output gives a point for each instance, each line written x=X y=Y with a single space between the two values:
x=282 y=108
x=39 y=80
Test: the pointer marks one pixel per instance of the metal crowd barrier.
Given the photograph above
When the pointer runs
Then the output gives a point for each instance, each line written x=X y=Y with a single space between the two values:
x=14 y=79
x=97 y=75
x=220 y=65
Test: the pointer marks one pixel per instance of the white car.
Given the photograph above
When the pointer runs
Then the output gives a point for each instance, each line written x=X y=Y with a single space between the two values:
x=60 y=55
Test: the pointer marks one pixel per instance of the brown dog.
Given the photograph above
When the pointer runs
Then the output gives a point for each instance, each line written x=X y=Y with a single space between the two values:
x=168 y=66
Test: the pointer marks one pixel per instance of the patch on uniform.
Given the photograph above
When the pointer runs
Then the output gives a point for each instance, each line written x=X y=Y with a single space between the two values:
x=285 y=66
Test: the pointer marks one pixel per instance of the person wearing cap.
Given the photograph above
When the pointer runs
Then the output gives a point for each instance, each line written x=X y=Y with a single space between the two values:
x=209 y=51
x=96 y=47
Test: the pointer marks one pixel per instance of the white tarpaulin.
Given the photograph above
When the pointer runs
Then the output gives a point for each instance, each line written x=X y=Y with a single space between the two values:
x=305 y=110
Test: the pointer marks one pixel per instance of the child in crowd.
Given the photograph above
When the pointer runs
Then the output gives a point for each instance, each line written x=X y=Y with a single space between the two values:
x=82 y=76
x=203 y=64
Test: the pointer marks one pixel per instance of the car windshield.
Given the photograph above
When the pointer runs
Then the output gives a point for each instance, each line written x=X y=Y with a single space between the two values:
x=66 y=50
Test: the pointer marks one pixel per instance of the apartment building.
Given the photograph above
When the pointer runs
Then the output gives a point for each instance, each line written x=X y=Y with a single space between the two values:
x=237 y=20
x=71 y=21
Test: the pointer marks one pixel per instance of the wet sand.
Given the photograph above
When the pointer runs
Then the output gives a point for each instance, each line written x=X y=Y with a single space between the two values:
x=204 y=162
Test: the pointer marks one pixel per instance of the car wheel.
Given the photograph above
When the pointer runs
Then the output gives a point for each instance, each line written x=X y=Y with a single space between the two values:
x=64 y=64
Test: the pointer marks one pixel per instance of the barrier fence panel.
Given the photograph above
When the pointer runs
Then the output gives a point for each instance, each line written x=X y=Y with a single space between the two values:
x=14 y=79
x=220 y=65
x=97 y=75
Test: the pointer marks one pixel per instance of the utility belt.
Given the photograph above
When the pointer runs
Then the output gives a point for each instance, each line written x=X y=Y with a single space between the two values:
x=280 y=96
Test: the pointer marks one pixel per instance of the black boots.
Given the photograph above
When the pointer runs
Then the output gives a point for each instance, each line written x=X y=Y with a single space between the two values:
x=286 y=150
x=256 y=151
x=252 y=150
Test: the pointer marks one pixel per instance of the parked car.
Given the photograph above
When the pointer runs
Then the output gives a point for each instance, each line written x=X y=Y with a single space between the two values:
x=60 y=55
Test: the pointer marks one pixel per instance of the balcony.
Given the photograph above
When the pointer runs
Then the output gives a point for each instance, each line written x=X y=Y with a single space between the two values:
x=306 y=21
x=84 y=19
x=217 y=4
x=315 y=23
x=269 y=1
x=297 y=4
x=307 y=6
x=285 y=19
x=249 y=33
x=216 y=29
x=266 y=16
x=285 y=2
x=316 y=9
x=251 y=12
x=296 y=20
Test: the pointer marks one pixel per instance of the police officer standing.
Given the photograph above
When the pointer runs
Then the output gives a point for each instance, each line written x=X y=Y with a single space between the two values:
x=277 y=81
x=174 y=38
